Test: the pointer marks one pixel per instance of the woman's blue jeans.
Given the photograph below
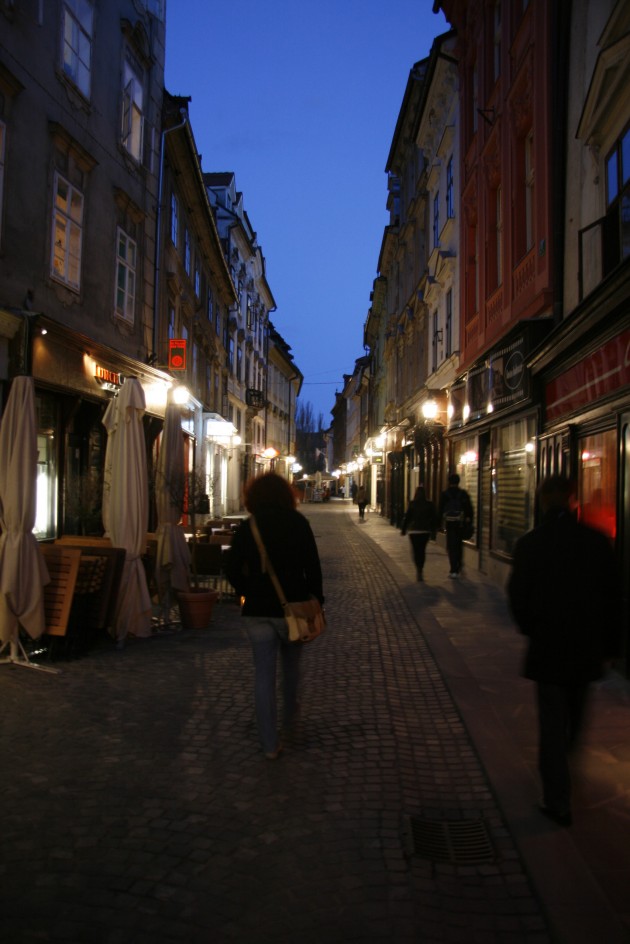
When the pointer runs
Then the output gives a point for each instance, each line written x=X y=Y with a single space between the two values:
x=264 y=633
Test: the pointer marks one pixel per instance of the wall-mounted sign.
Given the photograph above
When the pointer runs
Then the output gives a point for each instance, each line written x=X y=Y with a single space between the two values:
x=111 y=378
x=597 y=375
x=177 y=354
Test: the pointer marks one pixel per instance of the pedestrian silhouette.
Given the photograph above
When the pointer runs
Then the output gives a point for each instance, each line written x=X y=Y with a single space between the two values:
x=456 y=513
x=362 y=501
x=291 y=547
x=420 y=523
x=564 y=593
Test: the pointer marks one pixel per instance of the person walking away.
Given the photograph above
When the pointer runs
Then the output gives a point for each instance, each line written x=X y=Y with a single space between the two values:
x=456 y=513
x=362 y=501
x=420 y=523
x=291 y=547
x=564 y=593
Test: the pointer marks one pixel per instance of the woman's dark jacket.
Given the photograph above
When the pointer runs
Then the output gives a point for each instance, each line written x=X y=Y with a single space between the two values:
x=291 y=546
x=420 y=516
x=564 y=593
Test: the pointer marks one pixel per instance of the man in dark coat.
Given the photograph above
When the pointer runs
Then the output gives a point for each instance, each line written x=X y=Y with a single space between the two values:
x=456 y=512
x=564 y=594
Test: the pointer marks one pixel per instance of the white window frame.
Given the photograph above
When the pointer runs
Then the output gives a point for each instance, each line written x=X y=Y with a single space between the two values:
x=76 y=48
x=126 y=280
x=67 y=234
x=132 y=126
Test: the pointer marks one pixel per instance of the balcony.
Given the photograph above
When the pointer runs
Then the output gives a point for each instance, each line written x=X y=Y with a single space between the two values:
x=603 y=245
x=255 y=398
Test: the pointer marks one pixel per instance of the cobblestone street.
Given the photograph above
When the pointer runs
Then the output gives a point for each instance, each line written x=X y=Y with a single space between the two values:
x=139 y=808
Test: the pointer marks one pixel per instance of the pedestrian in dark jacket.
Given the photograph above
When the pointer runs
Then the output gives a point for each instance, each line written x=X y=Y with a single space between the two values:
x=291 y=547
x=420 y=523
x=564 y=593
x=456 y=513
x=362 y=501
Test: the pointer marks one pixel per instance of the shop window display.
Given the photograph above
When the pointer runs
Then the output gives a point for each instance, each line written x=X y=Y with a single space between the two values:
x=513 y=483
x=597 y=482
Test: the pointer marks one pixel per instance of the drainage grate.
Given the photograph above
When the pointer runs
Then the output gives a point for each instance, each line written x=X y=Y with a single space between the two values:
x=461 y=841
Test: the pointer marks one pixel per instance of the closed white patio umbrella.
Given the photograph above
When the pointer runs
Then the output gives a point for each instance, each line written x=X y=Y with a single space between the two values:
x=23 y=571
x=173 y=556
x=126 y=507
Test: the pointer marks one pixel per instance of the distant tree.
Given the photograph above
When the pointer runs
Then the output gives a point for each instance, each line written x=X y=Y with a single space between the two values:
x=305 y=421
x=309 y=439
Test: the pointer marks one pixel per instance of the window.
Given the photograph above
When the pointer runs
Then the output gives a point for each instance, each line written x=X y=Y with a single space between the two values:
x=597 y=482
x=529 y=191
x=618 y=194
x=67 y=234
x=78 y=20
x=125 y=276
x=231 y=355
x=126 y=263
x=513 y=482
x=187 y=251
x=171 y=322
x=434 y=354
x=217 y=320
x=448 y=339
x=499 y=235
x=436 y=220
x=474 y=98
x=132 y=112
x=472 y=274
x=239 y=363
x=195 y=363
x=3 y=134
x=210 y=306
x=450 y=200
x=495 y=241
x=197 y=278
x=45 y=520
x=174 y=219
x=497 y=40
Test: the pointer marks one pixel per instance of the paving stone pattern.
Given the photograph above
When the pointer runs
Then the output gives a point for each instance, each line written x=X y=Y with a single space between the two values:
x=137 y=806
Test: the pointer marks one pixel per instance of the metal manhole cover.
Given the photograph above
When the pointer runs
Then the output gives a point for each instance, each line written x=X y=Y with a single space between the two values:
x=461 y=841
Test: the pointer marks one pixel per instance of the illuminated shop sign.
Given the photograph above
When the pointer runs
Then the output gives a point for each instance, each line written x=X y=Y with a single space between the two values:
x=601 y=373
x=107 y=378
x=177 y=354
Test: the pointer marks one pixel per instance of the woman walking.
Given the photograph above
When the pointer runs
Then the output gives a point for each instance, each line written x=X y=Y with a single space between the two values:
x=291 y=547
x=420 y=523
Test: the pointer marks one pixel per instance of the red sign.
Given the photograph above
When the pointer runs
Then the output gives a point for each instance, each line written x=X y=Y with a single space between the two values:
x=601 y=373
x=177 y=354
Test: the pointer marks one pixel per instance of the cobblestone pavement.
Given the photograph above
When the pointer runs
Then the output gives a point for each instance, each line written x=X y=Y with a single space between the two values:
x=138 y=807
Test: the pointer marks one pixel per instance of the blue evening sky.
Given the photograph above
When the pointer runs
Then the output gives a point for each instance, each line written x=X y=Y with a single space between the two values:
x=299 y=98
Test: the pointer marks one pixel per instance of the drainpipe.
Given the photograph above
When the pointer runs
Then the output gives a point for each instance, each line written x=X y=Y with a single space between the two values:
x=158 y=223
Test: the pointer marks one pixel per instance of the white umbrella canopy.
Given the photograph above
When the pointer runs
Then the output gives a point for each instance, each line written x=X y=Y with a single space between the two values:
x=23 y=571
x=126 y=506
x=173 y=556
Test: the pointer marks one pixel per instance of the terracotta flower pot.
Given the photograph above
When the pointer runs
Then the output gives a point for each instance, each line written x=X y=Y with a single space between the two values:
x=195 y=607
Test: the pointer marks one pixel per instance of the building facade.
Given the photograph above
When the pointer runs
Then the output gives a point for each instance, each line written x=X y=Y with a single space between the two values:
x=80 y=122
x=509 y=220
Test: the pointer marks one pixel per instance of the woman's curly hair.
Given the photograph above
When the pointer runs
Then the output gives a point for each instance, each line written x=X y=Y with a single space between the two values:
x=268 y=490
